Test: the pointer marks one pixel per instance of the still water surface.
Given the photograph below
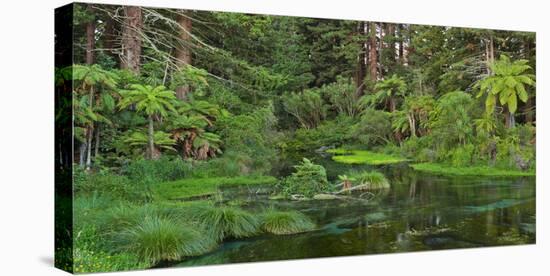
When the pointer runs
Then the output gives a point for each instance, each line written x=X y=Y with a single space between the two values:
x=419 y=212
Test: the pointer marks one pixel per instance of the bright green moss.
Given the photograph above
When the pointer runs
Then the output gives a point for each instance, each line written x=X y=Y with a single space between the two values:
x=441 y=169
x=363 y=157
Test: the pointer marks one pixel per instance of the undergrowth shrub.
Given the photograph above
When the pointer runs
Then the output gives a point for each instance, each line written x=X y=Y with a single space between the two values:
x=308 y=179
x=154 y=171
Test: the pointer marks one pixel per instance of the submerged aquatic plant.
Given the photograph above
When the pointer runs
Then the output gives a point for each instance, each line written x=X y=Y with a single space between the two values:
x=223 y=222
x=158 y=239
x=284 y=223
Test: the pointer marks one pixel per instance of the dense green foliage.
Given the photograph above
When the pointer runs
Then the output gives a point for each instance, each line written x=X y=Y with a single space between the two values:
x=308 y=179
x=160 y=126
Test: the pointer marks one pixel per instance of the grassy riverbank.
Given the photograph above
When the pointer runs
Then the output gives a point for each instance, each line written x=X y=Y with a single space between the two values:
x=198 y=187
x=442 y=169
x=363 y=157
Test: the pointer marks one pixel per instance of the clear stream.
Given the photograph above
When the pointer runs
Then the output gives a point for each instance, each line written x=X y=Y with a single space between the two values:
x=419 y=212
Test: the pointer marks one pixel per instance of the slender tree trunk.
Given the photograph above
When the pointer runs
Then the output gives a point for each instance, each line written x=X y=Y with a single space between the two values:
x=82 y=154
x=85 y=147
x=393 y=104
x=97 y=143
x=401 y=40
x=151 y=136
x=381 y=51
x=373 y=57
x=491 y=49
x=110 y=37
x=89 y=131
x=89 y=150
x=529 y=110
x=412 y=124
x=90 y=38
x=183 y=51
x=131 y=39
x=510 y=120
x=489 y=53
x=360 y=71
x=390 y=31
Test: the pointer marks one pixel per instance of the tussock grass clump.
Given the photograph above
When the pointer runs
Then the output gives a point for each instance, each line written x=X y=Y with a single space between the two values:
x=371 y=180
x=224 y=222
x=285 y=223
x=158 y=239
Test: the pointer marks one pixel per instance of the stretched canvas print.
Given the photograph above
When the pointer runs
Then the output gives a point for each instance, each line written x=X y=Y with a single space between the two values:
x=187 y=137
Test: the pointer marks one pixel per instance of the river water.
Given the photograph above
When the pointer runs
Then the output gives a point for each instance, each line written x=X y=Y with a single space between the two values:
x=419 y=212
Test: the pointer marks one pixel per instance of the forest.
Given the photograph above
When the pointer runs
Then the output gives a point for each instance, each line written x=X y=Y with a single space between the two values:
x=197 y=129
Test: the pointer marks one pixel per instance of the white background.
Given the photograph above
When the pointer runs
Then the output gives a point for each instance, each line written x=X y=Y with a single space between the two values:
x=26 y=137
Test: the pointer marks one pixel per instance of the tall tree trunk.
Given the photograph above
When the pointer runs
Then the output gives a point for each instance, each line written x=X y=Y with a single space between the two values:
x=183 y=51
x=393 y=104
x=390 y=31
x=89 y=131
x=360 y=71
x=110 y=37
x=89 y=150
x=151 y=139
x=131 y=39
x=491 y=49
x=85 y=147
x=373 y=57
x=90 y=38
x=82 y=153
x=412 y=124
x=510 y=120
x=489 y=53
x=529 y=110
x=381 y=51
x=400 y=41
x=97 y=143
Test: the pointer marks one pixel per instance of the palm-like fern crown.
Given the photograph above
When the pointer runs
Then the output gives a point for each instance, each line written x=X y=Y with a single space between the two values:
x=161 y=139
x=92 y=75
x=507 y=82
x=148 y=99
x=392 y=87
x=187 y=122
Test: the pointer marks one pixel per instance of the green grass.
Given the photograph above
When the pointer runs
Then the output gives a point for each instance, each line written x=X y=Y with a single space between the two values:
x=197 y=187
x=285 y=223
x=372 y=180
x=363 y=157
x=87 y=261
x=442 y=169
x=223 y=222
x=158 y=239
